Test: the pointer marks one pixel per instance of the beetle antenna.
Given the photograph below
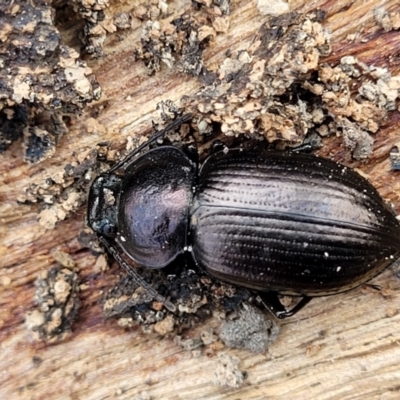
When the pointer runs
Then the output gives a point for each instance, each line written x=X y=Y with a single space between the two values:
x=173 y=125
x=137 y=278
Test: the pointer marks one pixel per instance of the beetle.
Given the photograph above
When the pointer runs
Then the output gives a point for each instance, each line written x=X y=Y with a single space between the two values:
x=279 y=223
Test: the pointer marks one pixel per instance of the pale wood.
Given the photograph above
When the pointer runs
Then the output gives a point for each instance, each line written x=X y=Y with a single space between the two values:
x=341 y=347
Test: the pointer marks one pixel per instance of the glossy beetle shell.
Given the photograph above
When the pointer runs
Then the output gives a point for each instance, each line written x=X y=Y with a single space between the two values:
x=291 y=223
x=153 y=206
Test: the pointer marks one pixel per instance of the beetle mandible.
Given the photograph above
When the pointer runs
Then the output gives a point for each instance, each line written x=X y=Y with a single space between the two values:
x=275 y=222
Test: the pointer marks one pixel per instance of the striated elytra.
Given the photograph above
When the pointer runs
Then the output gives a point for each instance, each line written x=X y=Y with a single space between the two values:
x=275 y=222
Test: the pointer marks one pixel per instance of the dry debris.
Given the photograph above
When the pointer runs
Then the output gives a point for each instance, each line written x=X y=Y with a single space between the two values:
x=179 y=41
x=57 y=303
x=63 y=193
x=250 y=330
x=228 y=373
x=387 y=21
x=216 y=7
x=282 y=91
x=42 y=81
x=196 y=295
x=98 y=22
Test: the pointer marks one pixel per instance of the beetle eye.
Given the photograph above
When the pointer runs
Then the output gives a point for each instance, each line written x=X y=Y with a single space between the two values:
x=108 y=229
x=104 y=227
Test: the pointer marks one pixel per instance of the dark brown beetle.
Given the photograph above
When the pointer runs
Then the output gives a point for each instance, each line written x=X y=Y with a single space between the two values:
x=275 y=222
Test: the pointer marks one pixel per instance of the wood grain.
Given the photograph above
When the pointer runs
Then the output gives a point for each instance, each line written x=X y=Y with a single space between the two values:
x=339 y=347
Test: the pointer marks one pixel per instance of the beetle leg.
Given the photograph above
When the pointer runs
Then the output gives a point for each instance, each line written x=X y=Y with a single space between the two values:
x=138 y=279
x=373 y=286
x=173 y=125
x=311 y=143
x=191 y=152
x=273 y=304
x=217 y=146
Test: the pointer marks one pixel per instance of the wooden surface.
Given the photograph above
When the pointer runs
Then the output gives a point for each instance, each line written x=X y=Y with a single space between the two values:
x=339 y=347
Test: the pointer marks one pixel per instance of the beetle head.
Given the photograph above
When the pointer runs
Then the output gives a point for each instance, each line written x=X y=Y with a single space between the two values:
x=101 y=215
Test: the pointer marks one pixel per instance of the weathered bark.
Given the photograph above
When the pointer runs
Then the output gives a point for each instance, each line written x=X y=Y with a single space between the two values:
x=339 y=347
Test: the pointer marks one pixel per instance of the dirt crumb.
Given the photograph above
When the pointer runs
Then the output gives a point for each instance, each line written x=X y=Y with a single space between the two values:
x=388 y=21
x=57 y=304
x=228 y=373
x=251 y=330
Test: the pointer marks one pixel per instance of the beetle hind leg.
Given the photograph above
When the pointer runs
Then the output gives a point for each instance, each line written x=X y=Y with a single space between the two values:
x=273 y=304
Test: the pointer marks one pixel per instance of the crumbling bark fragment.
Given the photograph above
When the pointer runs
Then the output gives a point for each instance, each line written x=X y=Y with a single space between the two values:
x=99 y=21
x=180 y=41
x=57 y=301
x=64 y=192
x=41 y=80
x=282 y=90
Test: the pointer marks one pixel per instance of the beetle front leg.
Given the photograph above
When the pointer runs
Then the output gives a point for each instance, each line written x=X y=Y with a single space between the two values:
x=137 y=278
x=273 y=304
